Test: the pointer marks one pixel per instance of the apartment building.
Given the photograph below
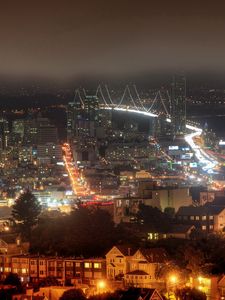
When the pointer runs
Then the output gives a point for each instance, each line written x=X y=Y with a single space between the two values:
x=36 y=268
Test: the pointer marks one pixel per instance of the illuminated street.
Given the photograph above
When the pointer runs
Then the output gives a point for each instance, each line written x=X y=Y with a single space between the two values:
x=77 y=182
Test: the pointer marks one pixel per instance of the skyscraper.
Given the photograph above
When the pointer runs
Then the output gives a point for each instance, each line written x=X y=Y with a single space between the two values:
x=178 y=105
x=82 y=125
x=70 y=120
x=4 y=133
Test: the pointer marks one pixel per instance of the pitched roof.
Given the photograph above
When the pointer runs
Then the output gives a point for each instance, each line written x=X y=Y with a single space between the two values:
x=180 y=228
x=219 y=200
x=154 y=255
x=126 y=250
x=9 y=238
x=137 y=272
x=199 y=210
x=145 y=294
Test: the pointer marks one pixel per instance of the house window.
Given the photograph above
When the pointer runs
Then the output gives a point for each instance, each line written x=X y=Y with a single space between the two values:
x=77 y=264
x=211 y=227
x=203 y=227
x=197 y=217
x=204 y=218
x=97 y=265
x=24 y=271
x=192 y=217
x=153 y=236
x=7 y=269
x=210 y=217
x=87 y=265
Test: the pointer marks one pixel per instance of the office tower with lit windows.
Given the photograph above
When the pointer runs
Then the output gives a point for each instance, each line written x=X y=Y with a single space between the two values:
x=178 y=105
x=4 y=133
x=70 y=120
x=82 y=124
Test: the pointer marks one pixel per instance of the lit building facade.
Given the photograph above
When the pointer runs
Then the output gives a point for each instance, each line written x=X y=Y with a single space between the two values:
x=178 y=105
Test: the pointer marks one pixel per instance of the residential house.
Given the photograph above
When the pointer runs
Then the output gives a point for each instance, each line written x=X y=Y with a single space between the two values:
x=135 y=268
x=144 y=266
x=180 y=231
x=11 y=244
x=208 y=219
x=117 y=262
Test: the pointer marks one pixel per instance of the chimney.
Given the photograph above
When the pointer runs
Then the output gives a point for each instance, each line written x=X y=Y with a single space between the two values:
x=128 y=250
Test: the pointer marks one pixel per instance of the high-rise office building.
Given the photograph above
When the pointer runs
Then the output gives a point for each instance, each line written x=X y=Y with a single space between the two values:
x=178 y=105
x=70 y=120
x=82 y=125
x=47 y=134
x=18 y=128
x=91 y=108
x=4 y=133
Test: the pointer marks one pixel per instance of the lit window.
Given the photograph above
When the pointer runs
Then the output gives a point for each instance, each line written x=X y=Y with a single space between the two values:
x=87 y=265
x=192 y=217
x=210 y=217
x=197 y=218
x=203 y=227
x=203 y=217
x=97 y=265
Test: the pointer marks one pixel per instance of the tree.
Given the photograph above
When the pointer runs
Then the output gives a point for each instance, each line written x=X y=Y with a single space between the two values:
x=80 y=233
x=49 y=281
x=12 y=279
x=73 y=294
x=107 y=296
x=170 y=212
x=195 y=259
x=25 y=212
x=190 y=294
x=152 y=219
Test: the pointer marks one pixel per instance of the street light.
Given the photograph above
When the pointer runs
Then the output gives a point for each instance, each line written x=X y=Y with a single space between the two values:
x=101 y=286
x=173 y=279
x=171 y=284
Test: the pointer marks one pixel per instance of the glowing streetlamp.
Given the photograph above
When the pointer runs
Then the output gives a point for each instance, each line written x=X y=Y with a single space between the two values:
x=101 y=286
x=173 y=279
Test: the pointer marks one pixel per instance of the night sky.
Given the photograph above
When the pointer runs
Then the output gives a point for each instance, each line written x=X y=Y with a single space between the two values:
x=71 y=38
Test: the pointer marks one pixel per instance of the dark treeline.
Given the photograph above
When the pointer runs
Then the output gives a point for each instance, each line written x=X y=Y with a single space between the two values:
x=85 y=232
x=91 y=232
